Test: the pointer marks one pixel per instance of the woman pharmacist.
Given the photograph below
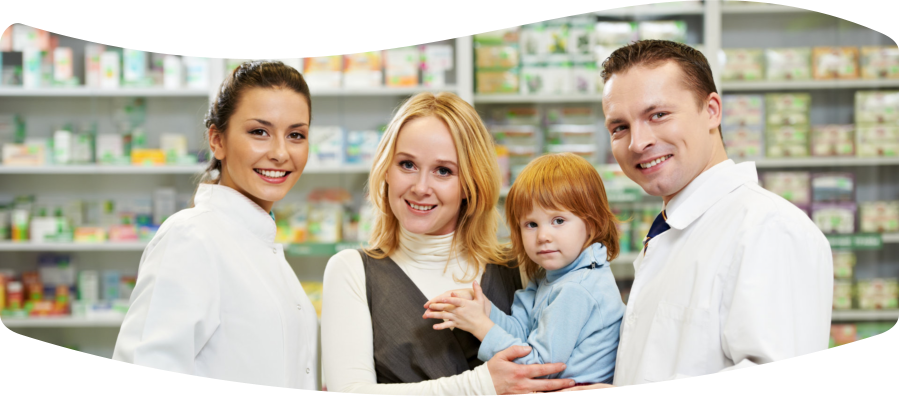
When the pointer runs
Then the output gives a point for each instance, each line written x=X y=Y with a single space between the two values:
x=214 y=295
x=435 y=184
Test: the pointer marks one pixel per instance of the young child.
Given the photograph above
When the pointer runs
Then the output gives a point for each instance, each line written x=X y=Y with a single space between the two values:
x=564 y=234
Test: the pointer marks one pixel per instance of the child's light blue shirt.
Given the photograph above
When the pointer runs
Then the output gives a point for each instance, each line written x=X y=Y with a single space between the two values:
x=570 y=316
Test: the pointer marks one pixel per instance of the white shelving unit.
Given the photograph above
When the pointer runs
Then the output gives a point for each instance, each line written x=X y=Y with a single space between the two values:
x=814 y=162
x=767 y=86
x=654 y=10
x=152 y=170
x=7 y=246
x=573 y=98
x=62 y=322
x=81 y=91
x=380 y=91
x=867 y=316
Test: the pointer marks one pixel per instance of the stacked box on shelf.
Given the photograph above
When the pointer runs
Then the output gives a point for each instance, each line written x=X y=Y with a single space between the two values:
x=743 y=64
x=834 y=209
x=572 y=129
x=788 y=64
x=880 y=62
x=518 y=131
x=557 y=57
x=833 y=140
x=843 y=267
x=743 y=125
x=323 y=72
x=879 y=216
x=787 y=130
x=877 y=123
x=363 y=70
x=401 y=67
x=835 y=63
x=878 y=293
x=497 y=61
x=792 y=186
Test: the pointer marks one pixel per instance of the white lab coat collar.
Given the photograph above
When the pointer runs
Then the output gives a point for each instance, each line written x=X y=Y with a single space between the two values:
x=237 y=208
x=706 y=189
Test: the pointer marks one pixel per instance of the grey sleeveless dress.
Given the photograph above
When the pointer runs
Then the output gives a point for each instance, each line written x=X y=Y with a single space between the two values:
x=406 y=347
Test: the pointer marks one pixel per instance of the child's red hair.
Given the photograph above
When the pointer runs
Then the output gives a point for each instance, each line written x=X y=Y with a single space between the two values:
x=566 y=182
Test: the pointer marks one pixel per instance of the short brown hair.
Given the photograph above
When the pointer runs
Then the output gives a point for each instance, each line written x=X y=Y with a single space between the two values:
x=651 y=53
x=561 y=181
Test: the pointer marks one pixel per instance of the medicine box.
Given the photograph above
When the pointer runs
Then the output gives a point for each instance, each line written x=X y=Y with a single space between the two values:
x=833 y=187
x=792 y=186
x=834 y=218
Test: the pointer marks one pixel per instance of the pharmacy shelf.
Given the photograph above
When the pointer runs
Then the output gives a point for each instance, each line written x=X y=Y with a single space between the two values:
x=517 y=98
x=759 y=9
x=62 y=321
x=860 y=315
x=662 y=9
x=890 y=238
x=379 y=91
x=7 y=246
x=729 y=86
x=101 y=92
x=152 y=170
x=814 y=162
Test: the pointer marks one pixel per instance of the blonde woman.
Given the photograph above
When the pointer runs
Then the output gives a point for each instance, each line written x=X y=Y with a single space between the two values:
x=434 y=186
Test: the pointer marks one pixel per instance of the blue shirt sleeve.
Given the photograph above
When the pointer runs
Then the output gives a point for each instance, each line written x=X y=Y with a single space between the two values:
x=556 y=335
x=522 y=304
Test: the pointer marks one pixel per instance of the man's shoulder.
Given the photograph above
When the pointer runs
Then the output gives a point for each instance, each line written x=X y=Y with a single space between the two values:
x=758 y=206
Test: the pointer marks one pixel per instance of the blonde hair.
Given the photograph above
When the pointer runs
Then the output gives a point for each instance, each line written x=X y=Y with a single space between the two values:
x=479 y=175
x=565 y=182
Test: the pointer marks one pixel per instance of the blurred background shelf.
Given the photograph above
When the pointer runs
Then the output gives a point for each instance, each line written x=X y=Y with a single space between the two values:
x=82 y=91
x=860 y=315
x=518 y=98
x=7 y=246
x=728 y=86
x=812 y=162
x=61 y=322
x=379 y=91
x=153 y=170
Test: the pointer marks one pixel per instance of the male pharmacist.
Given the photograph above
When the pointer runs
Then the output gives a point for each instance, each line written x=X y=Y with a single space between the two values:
x=731 y=275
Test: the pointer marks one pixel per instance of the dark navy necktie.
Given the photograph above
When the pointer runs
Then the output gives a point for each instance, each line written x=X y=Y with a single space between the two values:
x=659 y=226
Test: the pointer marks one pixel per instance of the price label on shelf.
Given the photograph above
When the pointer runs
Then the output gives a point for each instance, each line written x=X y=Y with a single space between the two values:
x=856 y=241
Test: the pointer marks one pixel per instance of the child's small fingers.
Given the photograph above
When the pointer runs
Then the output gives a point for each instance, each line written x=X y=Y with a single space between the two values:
x=442 y=307
x=439 y=315
x=456 y=301
x=445 y=325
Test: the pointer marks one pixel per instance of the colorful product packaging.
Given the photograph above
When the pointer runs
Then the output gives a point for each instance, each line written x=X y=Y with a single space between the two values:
x=879 y=216
x=134 y=67
x=880 y=62
x=743 y=111
x=62 y=65
x=363 y=70
x=496 y=56
x=787 y=141
x=843 y=264
x=842 y=334
x=326 y=146
x=842 y=294
x=833 y=140
x=877 y=141
x=196 y=72
x=829 y=63
x=92 y=70
x=876 y=108
x=833 y=187
x=793 y=186
x=401 y=67
x=323 y=72
x=497 y=81
x=172 y=72
x=361 y=147
x=110 y=69
x=834 y=218
x=785 y=64
x=743 y=142
x=878 y=293
x=743 y=65
x=662 y=30
x=437 y=60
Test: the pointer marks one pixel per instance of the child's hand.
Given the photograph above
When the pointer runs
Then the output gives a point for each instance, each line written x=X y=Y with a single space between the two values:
x=468 y=315
x=434 y=305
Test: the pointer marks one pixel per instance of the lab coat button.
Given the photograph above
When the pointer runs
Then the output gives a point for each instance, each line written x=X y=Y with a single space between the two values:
x=307 y=370
x=275 y=250
x=299 y=306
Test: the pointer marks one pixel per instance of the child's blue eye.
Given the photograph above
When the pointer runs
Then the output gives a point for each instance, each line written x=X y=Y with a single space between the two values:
x=530 y=224
x=558 y=221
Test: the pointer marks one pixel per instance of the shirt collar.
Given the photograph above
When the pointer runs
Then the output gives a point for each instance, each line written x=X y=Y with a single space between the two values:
x=595 y=253
x=237 y=207
x=707 y=189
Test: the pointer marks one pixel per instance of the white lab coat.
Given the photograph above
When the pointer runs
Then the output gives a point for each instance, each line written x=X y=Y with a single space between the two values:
x=743 y=277
x=216 y=298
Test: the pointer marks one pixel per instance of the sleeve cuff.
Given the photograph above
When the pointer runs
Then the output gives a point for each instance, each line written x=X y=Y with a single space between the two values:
x=493 y=343
x=485 y=380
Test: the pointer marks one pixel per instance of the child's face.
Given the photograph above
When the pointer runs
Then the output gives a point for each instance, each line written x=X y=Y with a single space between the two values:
x=553 y=239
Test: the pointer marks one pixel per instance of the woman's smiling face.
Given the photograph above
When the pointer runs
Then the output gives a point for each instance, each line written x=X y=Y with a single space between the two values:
x=265 y=147
x=424 y=188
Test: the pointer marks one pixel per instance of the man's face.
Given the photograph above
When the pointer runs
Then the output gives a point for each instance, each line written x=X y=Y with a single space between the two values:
x=660 y=136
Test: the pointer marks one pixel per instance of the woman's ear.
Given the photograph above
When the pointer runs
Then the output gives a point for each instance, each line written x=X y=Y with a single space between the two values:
x=216 y=143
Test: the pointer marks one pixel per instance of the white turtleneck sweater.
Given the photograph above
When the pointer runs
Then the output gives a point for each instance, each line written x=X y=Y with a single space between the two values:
x=347 y=342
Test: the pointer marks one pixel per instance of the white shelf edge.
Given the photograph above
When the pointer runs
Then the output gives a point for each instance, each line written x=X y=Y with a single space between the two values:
x=862 y=315
x=64 y=321
x=8 y=246
x=82 y=91
x=763 y=163
x=744 y=86
x=153 y=170
x=653 y=10
x=517 y=98
x=379 y=91
x=890 y=238
x=760 y=9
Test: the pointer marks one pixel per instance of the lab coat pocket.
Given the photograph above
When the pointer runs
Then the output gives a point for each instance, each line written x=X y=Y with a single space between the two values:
x=677 y=342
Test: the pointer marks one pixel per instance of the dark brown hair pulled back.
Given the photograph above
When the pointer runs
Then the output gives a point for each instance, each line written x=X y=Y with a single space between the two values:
x=250 y=74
